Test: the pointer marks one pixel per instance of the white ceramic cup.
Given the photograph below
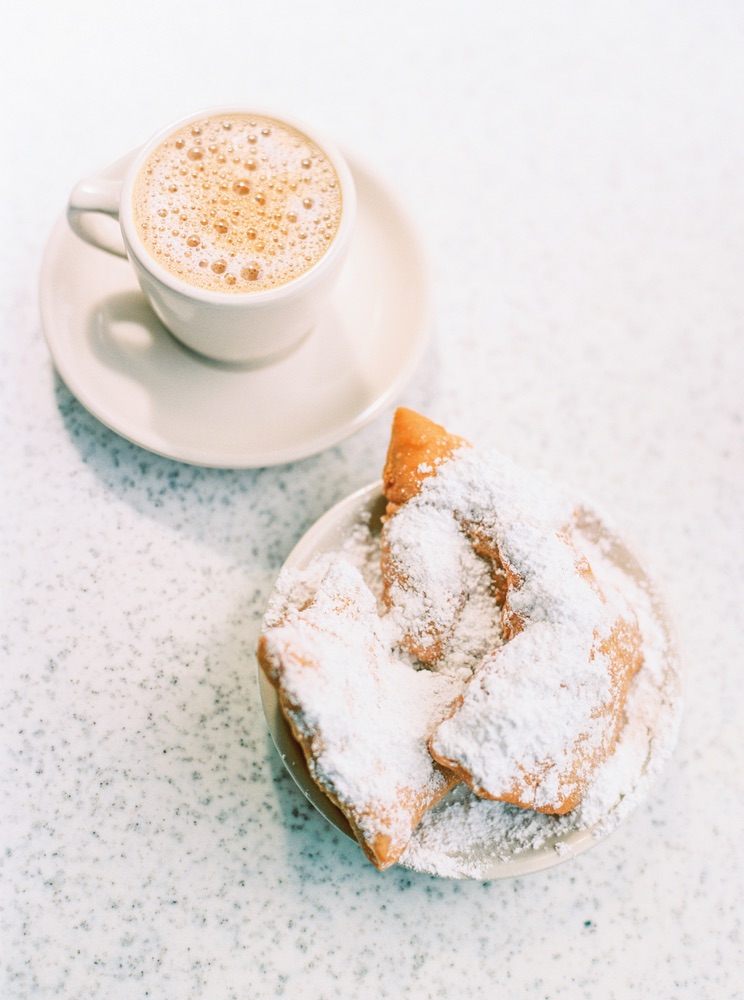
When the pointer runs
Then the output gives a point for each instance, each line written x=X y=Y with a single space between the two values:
x=249 y=327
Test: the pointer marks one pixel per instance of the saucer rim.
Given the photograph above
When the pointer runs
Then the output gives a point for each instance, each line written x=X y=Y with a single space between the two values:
x=252 y=456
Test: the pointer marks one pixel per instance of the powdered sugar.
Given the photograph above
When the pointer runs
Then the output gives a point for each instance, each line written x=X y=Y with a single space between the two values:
x=441 y=598
x=365 y=714
x=468 y=837
x=465 y=836
x=539 y=709
x=522 y=710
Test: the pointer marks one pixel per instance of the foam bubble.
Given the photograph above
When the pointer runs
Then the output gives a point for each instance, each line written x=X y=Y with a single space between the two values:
x=207 y=175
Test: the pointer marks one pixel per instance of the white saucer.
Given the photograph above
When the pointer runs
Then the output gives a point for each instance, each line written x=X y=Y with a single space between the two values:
x=467 y=837
x=126 y=369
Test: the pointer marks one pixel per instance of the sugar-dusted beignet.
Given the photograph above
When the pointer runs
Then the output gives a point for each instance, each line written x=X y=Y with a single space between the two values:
x=362 y=717
x=417 y=447
x=544 y=707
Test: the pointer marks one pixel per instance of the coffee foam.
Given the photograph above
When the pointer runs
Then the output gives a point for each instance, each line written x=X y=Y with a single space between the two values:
x=237 y=203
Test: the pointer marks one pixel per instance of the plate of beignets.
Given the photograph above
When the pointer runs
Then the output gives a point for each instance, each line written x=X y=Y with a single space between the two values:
x=466 y=669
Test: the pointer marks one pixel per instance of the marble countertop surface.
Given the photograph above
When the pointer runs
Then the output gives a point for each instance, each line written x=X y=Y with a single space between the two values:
x=575 y=174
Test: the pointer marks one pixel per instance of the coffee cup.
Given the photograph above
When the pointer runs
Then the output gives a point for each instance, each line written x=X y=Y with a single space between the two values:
x=237 y=224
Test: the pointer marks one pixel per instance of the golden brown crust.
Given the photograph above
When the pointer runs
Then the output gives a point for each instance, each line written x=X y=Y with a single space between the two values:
x=417 y=446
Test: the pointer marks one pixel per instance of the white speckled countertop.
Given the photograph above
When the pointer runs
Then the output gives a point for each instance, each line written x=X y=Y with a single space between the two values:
x=575 y=172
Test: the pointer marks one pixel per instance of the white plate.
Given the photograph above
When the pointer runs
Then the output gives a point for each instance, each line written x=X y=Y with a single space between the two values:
x=466 y=837
x=126 y=369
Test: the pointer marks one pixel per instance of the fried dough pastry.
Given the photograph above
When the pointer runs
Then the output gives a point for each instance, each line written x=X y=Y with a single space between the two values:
x=362 y=717
x=545 y=706
x=417 y=446
x=497 y=660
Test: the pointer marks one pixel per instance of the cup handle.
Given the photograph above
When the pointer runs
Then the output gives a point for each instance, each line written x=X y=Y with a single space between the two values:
x=90 y=199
